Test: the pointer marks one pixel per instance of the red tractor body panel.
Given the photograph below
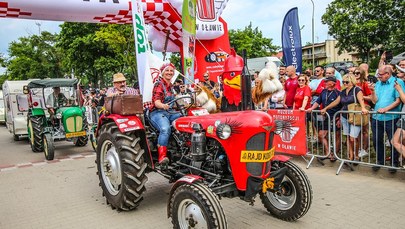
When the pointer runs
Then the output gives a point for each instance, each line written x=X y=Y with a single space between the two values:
x=245 y=125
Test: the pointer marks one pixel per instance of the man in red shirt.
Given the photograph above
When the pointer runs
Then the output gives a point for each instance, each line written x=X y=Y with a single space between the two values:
x=290 y=87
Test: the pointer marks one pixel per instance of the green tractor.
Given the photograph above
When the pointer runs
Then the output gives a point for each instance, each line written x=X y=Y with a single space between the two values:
x=55 y=113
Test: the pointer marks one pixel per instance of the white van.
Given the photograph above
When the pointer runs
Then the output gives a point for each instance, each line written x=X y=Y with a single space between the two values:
x=2 y=111
x=257 y=64
x=16 y=107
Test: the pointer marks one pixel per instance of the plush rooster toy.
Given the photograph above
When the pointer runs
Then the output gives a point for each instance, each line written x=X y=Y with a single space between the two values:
x=267 y=83
x=232 y=82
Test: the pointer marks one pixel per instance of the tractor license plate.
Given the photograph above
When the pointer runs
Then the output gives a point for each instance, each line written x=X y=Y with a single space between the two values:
x=75 y=134
x=256 y=156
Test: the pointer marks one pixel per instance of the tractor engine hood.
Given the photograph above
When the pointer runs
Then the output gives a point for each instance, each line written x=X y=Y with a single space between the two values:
x=241 y=123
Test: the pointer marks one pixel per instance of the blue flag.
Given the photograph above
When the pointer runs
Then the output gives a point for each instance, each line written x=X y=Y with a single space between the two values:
x=291 y=40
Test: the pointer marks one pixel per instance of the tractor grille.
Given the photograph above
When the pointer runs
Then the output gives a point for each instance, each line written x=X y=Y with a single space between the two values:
x=257 y=142
x=74 y=124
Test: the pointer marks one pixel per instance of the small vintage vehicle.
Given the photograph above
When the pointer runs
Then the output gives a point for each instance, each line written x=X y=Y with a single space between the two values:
x=66 y=120
x=211 y=156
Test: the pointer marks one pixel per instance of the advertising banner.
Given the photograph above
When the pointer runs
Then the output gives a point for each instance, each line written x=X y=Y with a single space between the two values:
x=189 y=30
x=291 y=40
x=142 y=50
x=291 y=136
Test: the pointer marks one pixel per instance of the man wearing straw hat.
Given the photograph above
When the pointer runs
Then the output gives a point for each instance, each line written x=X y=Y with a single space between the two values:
x=120 y=86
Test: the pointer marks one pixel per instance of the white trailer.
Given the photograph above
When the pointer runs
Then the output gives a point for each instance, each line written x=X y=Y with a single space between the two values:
x=2 y=113
x=16 y=107
x=257 y=64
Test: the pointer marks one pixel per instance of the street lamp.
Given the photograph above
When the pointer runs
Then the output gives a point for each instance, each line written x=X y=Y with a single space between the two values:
x=313 y=42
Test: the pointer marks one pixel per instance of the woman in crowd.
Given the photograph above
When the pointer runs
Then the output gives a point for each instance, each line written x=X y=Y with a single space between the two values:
x=399 y=136
x=302 y=99
x=363 y=84
x=347 y=96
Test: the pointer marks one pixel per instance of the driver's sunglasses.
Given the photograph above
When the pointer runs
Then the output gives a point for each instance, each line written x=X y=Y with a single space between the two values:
x=120 y=82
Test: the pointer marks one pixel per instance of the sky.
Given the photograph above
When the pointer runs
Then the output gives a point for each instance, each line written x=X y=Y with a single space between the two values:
x=267 y=15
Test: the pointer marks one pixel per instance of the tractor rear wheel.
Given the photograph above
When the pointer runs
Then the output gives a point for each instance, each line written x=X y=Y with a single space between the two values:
x=35 y=125
x=49 y=147
x=121 y=167
x=293 y=199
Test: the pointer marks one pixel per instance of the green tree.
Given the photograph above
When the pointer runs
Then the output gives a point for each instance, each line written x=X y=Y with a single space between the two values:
x=96 y=51
x=253 y=41
x=35 y=56
x=364 y=25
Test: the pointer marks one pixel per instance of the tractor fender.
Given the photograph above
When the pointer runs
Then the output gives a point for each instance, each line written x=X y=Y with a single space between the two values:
x=124 y=123
x=187 y=179
x=281 y=158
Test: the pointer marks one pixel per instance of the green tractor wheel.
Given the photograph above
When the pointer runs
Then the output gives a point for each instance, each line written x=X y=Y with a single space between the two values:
x=81 y=141
x=93 y=141
x=35 y=133
x=49 y=148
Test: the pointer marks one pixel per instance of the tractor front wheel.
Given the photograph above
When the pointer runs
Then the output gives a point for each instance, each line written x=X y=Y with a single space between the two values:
x=294 y=197
x=49 y=148
x=196 y=206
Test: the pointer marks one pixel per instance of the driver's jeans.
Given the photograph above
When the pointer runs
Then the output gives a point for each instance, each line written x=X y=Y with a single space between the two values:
x=161 y=120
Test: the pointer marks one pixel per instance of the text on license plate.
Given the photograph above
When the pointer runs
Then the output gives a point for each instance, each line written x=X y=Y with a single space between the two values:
x=256 y=156
x=75 y=134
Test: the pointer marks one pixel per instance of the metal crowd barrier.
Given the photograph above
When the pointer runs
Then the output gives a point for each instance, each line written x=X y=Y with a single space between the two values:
x=340 y=148
x=316 y=149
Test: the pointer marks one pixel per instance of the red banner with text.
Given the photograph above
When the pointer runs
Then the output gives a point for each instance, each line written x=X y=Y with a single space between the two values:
x=291 y=132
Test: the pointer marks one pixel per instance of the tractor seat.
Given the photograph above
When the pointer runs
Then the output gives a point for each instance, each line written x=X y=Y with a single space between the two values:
x=148 y=122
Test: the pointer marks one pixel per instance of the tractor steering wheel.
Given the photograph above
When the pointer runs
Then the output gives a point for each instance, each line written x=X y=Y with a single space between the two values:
x=180 y=106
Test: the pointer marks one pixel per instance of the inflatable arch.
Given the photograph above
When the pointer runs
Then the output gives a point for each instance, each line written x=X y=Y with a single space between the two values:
x=162 y=16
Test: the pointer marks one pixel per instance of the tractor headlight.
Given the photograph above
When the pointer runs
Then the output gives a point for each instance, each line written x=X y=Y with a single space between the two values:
x=58 y=115
x=224 y=131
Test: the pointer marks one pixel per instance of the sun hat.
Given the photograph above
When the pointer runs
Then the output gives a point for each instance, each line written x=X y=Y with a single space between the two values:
x=118 y=77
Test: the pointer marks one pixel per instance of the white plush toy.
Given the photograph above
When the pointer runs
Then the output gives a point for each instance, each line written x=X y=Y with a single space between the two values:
x=268 y=83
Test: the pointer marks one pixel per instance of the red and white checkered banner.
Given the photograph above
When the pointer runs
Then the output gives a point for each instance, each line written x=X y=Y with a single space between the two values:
x=162 y=16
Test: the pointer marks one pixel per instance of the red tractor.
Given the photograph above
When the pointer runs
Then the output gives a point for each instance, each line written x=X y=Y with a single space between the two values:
x=211 y=155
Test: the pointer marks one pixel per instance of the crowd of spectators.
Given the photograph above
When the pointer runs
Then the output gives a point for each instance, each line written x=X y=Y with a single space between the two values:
x=328 y=92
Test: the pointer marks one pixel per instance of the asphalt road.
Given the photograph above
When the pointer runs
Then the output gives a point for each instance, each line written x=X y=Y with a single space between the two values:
x=66 y=194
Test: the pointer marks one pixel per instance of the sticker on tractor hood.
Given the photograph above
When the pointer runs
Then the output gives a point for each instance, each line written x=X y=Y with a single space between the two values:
x=132 y=123
x=130 y=128
x=210 y=129
x=123 y=125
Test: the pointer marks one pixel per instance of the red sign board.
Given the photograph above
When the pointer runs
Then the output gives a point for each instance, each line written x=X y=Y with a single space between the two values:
x=291 y=134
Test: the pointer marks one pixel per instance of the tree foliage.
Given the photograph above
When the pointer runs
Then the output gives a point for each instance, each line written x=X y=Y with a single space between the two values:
x=365 y=25
x=253 y=41
x=34 y=57
x=94 y=52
